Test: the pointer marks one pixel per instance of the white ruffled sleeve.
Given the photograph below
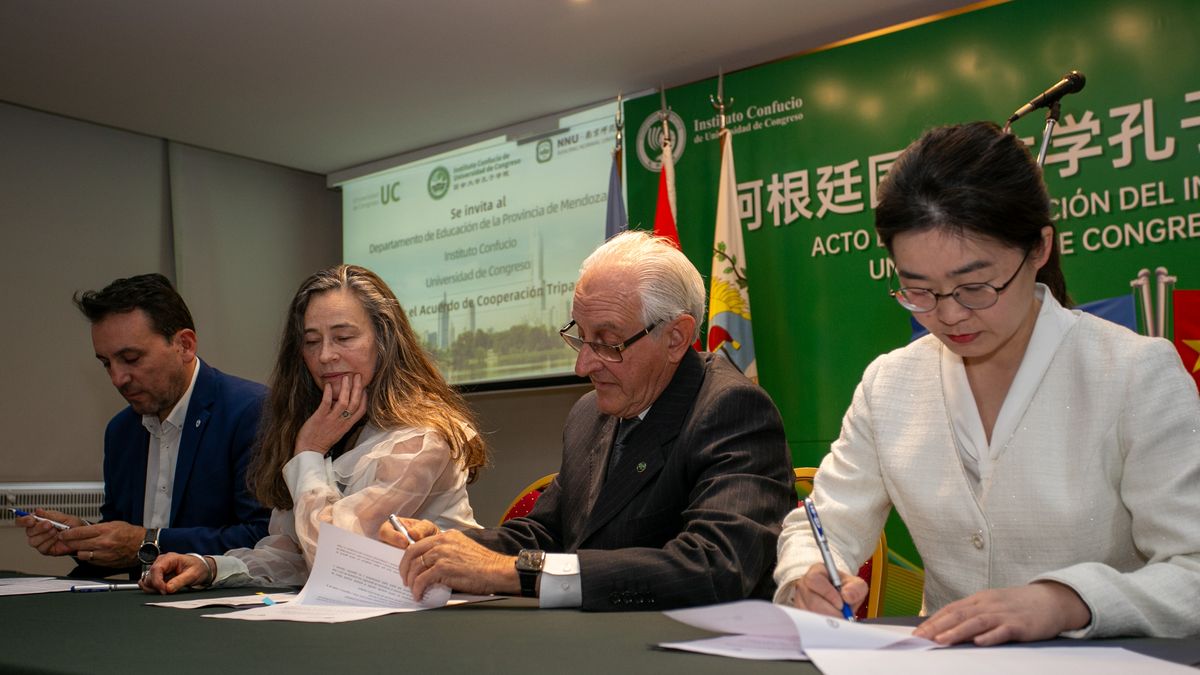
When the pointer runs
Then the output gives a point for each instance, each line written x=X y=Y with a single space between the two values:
x=406 y=471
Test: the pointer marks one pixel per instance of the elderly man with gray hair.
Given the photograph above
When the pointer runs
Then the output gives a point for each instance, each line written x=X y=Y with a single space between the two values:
x=675 y=472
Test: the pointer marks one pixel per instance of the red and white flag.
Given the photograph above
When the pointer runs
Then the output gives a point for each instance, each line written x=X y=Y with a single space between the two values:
x=664 y=211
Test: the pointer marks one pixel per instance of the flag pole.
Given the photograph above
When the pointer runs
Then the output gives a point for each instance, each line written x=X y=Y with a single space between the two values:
x=620 y=135
x=1141 y=286
x=718 y=102
x=1163 y=279
x=664 y=114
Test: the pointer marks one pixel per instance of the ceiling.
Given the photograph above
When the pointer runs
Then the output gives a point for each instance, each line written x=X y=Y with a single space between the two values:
x=321 y=85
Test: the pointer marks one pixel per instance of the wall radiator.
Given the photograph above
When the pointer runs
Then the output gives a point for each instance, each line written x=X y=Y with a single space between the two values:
x=77 y=499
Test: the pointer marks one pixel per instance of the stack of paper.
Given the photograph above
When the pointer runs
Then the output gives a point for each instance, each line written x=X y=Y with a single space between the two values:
x=352 y=578
x=765 y=631
x=32 y=585
x=228 y=601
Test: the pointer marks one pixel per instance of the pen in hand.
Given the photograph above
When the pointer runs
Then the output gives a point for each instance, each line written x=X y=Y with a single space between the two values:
x=399 y=527
x=57 y=525
x=823 y=544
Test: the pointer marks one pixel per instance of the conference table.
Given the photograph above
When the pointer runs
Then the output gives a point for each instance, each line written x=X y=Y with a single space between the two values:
x=115 y=632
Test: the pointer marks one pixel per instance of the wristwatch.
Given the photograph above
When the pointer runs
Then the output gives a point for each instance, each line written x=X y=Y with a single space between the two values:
x=529 y=568
x=148 y=551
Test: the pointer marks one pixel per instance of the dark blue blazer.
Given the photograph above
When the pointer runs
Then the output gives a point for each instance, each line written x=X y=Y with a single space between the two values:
x=212 y=510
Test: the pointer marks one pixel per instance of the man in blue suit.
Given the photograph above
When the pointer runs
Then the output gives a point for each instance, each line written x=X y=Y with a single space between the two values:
x=175 y=459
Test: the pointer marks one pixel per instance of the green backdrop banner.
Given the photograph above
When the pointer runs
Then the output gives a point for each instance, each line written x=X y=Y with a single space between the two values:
x=814 y=134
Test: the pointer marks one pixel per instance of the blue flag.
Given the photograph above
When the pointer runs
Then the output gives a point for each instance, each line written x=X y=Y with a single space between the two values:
x=616 y=221
x=1119 y=310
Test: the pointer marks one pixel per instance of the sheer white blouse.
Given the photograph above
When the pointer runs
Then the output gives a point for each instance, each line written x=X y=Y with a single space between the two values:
x=404 y=471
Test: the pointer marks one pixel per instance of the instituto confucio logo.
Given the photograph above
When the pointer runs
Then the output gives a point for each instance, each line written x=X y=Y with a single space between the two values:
x=650 y=140
x=439 y=182
x=545 y=150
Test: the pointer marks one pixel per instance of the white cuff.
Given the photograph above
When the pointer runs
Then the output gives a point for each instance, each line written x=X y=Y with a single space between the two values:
x=231 y=571
x=305 y=472
x=560 y=585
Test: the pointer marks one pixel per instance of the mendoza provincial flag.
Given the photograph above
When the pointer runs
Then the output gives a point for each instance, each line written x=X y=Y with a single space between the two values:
x=1186 y=306
x=729 y=329
x=664 y=210
x=616 y=220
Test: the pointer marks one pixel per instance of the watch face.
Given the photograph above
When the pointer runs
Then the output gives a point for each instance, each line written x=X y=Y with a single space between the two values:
x=530 y=560
x=147 y=554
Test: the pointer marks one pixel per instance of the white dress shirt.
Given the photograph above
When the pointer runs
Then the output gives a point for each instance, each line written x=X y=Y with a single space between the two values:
x=162 y=455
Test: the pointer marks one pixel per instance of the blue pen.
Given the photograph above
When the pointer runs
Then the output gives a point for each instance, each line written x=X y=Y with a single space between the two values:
x=399 y=527
x=819 y=534
x=57 y=525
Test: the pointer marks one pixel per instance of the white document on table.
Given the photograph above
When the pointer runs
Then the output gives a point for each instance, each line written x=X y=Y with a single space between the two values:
x=788 y=631
x=994 y=661
x=230 y=601
x=33 y=585
x=352 y=578
x=751 y=647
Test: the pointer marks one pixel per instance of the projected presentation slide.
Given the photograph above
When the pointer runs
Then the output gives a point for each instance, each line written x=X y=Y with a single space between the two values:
x=482 y=245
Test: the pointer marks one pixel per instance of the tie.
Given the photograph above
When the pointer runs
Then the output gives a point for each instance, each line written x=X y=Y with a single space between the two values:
x=624 y=428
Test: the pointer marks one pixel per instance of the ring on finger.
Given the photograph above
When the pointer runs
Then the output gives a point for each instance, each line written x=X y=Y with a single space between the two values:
x=345 y=414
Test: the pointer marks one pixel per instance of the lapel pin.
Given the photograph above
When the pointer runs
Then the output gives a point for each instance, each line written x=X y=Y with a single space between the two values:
x=197 y=424
x=641 y=467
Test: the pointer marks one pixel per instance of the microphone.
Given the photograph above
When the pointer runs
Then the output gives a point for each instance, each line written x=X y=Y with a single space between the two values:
x=1069 y=84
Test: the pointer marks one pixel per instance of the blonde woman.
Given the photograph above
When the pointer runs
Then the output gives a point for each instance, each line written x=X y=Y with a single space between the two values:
x=359 y=425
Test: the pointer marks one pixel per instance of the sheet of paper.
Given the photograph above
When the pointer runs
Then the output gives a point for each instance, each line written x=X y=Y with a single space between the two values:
x=752 y=647
x=232 y=601
x=760 y=618
x=351 y=574
x=308 y=613
x=281 y=598
x=353 y=571
x=994 y=661
x=467 y=599
x=32 y=585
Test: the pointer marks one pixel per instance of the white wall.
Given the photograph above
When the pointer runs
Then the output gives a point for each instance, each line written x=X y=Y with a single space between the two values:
x=81 y=205
x=246 y=235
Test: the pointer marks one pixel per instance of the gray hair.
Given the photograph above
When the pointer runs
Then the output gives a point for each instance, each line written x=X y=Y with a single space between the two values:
x=667 y=282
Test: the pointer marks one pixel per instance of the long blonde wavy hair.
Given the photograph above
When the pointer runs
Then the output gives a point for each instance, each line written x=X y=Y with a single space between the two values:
x=407 y=389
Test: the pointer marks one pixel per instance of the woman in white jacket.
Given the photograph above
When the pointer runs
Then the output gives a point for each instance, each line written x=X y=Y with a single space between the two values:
x=1045 y=461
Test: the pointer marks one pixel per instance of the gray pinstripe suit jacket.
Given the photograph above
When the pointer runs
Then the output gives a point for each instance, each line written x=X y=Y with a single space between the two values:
x=689 y=516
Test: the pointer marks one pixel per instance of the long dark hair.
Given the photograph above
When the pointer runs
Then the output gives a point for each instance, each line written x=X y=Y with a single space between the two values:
x=975 y=180
x=406 y=390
